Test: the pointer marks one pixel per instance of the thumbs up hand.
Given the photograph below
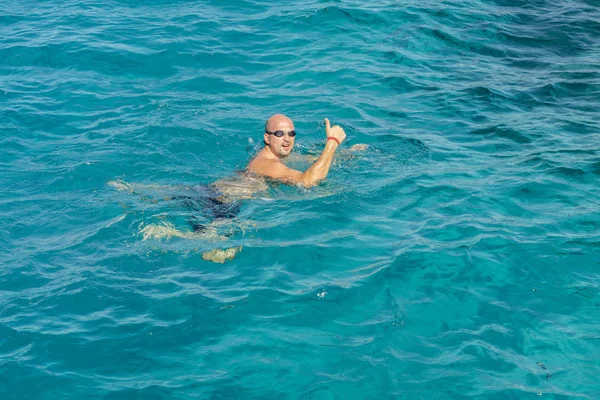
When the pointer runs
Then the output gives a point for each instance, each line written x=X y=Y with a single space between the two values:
x=335 y=131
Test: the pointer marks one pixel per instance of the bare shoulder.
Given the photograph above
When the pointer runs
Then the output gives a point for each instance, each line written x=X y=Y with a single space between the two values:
x=264 y=166
x=260 y=163
x=275 y=169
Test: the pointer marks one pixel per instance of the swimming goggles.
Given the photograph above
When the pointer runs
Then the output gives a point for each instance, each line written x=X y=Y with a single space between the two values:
x=281 y=133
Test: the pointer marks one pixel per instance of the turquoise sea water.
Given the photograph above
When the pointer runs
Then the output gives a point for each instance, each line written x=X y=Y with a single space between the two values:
x=457 y=258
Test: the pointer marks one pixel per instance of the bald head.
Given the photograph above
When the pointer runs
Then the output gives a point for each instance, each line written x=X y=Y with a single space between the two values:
x=279 y=122
x=277 y=136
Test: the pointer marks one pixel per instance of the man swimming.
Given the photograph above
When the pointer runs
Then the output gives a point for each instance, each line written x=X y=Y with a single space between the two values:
x=218 y=203
x=279 y=138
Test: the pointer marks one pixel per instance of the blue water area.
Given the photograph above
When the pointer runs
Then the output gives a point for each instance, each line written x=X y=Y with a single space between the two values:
x=456 y=258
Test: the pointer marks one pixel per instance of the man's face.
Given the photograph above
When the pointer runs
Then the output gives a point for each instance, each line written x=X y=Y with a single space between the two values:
x=280 y=146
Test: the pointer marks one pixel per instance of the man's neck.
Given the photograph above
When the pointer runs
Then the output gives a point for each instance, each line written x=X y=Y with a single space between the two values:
x=268 y=153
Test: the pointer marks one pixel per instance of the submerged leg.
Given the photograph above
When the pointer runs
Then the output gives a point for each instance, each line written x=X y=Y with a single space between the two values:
x=221 y=255
x=143 y=190
x=167 y=231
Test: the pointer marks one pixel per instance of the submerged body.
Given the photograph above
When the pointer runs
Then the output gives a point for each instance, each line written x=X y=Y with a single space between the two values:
x=242 y=186
x=217 y=205
x=221 y=199
x=218 y=201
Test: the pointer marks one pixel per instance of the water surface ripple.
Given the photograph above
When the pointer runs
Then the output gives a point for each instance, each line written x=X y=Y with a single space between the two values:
x=457 y=258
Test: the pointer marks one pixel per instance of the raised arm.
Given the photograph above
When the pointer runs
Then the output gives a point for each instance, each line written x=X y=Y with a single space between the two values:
x=319 y=170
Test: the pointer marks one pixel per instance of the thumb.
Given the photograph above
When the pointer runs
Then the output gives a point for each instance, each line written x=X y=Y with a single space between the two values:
x=327 y=126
